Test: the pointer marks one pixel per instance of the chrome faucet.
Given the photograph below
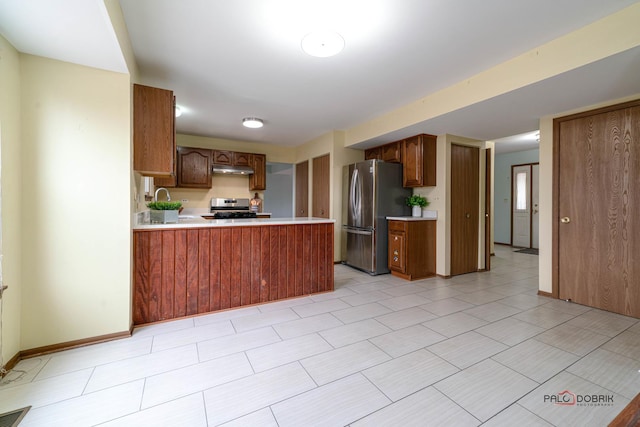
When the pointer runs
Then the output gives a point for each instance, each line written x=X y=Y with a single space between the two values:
x=155 y=196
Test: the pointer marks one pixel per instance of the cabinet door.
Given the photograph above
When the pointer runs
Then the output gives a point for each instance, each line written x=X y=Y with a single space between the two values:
x=392 y=152
x=419 y=161
x=194 y=167
x=397 y=251
x=258 y=180
x=154 y=143
x=412 y=162
x=241 y=159
x=221 y=157
x=372 y=153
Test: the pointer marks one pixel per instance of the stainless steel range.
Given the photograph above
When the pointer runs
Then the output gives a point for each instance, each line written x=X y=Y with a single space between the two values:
x=231 y=208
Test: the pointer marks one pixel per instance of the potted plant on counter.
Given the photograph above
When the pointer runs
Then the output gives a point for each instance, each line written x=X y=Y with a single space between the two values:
x=164 y=212
x=417 y=202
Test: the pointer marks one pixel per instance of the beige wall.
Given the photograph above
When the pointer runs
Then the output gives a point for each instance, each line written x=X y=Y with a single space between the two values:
x=11 y=144
x=75 y=169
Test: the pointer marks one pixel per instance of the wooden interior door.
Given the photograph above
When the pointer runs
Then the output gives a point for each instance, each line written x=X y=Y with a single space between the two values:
x=302 y=188
x=465 y=199
x=535 y=206
x=597 y=208
x=321 y=191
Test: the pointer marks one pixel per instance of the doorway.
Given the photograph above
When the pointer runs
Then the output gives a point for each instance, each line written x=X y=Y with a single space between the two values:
x=525 y=205
x=596 y=209
x=465 y=209
x=278 y=196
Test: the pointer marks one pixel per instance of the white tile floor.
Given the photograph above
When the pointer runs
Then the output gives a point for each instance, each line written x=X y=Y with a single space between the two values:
x=379 y=351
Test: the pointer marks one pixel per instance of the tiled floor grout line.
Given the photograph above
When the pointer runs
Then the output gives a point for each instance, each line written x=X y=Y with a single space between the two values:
x=475 y=283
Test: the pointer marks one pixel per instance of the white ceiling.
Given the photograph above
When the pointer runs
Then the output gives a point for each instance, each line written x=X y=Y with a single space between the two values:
x=226 y=60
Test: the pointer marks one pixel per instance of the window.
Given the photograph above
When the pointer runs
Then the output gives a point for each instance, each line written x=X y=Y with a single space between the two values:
x=522 y=198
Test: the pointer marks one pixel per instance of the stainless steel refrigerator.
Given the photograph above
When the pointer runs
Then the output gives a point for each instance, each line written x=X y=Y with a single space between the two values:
x=373 y=190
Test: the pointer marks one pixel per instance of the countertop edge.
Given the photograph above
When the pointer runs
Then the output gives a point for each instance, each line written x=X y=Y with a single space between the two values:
x=244 y=222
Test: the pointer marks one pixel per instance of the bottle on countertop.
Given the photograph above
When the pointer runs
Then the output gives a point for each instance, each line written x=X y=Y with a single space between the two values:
x=255 y=204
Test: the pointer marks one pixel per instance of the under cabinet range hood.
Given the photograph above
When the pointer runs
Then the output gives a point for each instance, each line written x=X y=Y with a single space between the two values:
x=232 y=170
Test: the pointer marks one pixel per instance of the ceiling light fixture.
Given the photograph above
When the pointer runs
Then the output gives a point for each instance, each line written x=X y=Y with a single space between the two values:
x=322 y=44
x=252 y=122
x=178 y=111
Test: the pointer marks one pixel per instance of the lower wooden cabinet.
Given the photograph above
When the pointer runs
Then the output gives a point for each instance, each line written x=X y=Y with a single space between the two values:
x=187 y=271
x=412 y=248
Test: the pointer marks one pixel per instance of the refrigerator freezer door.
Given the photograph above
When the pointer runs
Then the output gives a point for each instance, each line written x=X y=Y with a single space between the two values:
x=360 y=251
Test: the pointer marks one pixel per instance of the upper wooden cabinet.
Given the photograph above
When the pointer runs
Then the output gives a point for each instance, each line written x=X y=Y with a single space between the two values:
x=241 y=159
x=417 y=155
x=419 y=161
x=391 y=152
x=194 y=167
x=258 y=180
x=221 y=157
x=373 y=153
x=231 y=158
x=154 y=141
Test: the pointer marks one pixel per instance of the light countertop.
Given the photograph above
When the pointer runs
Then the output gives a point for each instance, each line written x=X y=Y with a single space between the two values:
x=196 y=221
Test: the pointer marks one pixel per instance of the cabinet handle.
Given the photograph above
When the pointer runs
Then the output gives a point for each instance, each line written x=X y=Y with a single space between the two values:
x=395 y=259
x=395 y=252
x=395 y=238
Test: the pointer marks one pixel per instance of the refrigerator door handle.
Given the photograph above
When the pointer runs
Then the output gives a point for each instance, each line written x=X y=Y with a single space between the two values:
x=355 y=193
x=358 y=231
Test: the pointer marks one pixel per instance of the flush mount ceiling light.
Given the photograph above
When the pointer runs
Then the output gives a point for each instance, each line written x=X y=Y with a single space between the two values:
x=322 y=44
x=252 y=122
x=178 y=111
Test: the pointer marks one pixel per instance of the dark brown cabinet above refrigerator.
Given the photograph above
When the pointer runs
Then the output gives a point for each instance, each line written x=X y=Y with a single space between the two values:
x=417 y=155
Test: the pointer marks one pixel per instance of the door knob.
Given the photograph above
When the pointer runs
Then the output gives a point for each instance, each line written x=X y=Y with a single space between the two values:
x=468 y=215
x=565 y=220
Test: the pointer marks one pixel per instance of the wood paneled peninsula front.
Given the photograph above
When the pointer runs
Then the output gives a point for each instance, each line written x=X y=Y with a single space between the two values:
x=199 y=266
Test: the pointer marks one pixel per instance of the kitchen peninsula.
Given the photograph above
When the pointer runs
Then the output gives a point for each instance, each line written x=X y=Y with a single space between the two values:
x=198 y=266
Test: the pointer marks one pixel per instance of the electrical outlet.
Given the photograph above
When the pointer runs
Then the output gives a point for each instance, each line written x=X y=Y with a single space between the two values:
x=185 y=200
